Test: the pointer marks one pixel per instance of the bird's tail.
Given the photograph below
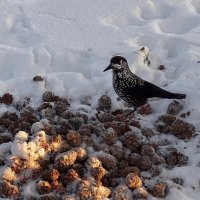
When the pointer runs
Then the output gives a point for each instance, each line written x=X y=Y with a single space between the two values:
x=170 y=95
x=177 y=96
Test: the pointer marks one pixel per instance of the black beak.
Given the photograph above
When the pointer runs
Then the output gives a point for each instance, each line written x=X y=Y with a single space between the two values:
x=108 y=68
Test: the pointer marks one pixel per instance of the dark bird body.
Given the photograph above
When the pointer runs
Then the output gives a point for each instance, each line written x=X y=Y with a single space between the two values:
x=131 y=88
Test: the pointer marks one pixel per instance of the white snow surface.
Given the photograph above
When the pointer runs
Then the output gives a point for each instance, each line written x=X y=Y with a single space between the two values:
x=70 y=43
x=28 y=150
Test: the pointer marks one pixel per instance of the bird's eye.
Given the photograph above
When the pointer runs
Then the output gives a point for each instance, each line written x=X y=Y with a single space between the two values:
x=121 y=62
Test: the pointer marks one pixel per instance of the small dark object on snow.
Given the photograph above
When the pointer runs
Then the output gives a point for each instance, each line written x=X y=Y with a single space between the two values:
x=104 y=103
x=7 y=99
x=160 y=190
x=38 y=78
x=161 y=67
x=174 y=108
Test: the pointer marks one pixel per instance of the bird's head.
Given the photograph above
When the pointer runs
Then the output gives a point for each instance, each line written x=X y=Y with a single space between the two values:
x=117 y=63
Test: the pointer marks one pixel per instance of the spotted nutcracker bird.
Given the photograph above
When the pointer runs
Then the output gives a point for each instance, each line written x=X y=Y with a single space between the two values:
x=133 y=89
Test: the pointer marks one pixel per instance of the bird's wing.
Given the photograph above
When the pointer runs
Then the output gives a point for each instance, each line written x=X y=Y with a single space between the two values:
x=147 y=90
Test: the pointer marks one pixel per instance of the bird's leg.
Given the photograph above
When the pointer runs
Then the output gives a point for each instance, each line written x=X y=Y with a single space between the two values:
x=132 y=111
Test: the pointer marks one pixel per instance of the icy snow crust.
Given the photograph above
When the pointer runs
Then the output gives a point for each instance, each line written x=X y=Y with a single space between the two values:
x=70 y=43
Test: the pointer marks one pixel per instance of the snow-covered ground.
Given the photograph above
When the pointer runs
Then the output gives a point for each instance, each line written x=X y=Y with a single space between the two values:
x=70 y=43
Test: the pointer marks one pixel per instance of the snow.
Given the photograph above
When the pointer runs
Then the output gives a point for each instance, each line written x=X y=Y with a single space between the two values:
x=28 y=150
x=4 y=149
x=70 y=43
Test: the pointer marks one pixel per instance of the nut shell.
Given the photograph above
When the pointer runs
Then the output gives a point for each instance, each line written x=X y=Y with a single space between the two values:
x=8 y=190
x=132 y=141
x=182 y=130
x=43 y=187
x=110 y=136
x=122 y=192
x=160 y=190
x=65 y=160
x=174 y=108
x=104 y=103
x=73 y=138
x=108 y=161
x=50 y=175
x=48 y=96
x=7 y=99
x=145 y=163
x=133 y=181
x=140 y=193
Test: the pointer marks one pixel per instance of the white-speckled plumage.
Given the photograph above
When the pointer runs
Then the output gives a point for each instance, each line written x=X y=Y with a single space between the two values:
x=131 y=88
x=124 y=80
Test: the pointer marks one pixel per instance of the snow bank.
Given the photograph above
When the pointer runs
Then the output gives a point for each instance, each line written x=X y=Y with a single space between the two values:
x=70 y=43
